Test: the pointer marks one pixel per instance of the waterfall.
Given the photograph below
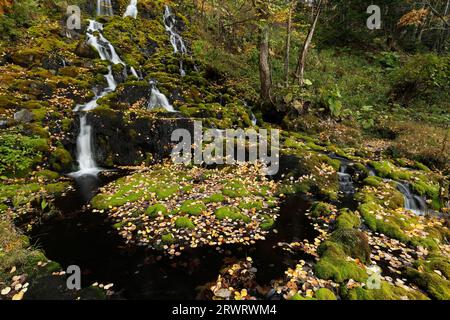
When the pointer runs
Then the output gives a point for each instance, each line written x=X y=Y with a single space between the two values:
x=345 y=180
x=158 y=99
x=104 y=8
x=91 y=105
x=85 y=156
x=134 y=73
x=131 y=10
x=413 y=202
x=175 y=39
x=86 y=162
x=104 y=48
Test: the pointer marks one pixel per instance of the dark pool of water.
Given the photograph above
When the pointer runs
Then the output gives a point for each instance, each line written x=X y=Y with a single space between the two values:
x=80 y=237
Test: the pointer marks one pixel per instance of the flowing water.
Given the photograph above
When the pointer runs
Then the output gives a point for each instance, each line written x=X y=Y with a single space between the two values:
x=85 y=148
x=131 y=10
x=413 y=202
x=158 y=99
x=175 y=39
x=104 y=8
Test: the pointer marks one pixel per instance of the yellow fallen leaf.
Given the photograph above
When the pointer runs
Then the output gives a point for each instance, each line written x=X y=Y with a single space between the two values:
x=18 y=296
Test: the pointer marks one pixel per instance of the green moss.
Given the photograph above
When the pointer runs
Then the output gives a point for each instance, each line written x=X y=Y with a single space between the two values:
x=231 y=213
x=386 y=169
x=435 y=285
x=325 y=294
x=66 y=124
x=347 y=219
x=193 y=207
x=168 y=238
x=368 y=212
x=353 y=242
x=267 y=222
x=257 y=205
x=215 y=198
x=184 y=223
x=333 y=265
x=166 y=191
x=235 y=189
x=61 y=159
x=155 y=210
x=321 y=209
x=386 y=292
x=315 y=147
x=47 y=174
x=373 y=181
x=39 y=114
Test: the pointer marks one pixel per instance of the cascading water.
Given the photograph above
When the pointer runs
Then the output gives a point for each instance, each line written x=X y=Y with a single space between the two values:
x=85 y=155
x=158 y=99
x=104 y=48
x=252 y=115
x=413 y=202
x=131 y=10
x=85 y=159
x=91 y=105
x=345 y=180
x=104 y=8
x=175 y=39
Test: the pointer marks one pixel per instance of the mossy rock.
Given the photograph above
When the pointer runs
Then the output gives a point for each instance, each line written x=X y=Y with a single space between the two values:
x=321 y=209
x=61 y=159
x=325 y=294
x=368 y=212
x=184 y=223
x=267 y=223
x=235 y=189
x=347 y=219
x=215 y=198
x=387 y=291
x=155 y=210
x=230 y=213
x=435 y=285
x=47 y=174
x=373 y=181
x=334 y=265
x=353 y=242
x=193 y=207
x=168 y=238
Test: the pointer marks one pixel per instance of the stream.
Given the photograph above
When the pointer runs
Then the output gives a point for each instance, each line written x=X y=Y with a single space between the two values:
x=81 y=237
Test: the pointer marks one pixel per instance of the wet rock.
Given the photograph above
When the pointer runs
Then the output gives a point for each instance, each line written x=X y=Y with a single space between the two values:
x=130 y=143
x=53 y=62
x=23 y=116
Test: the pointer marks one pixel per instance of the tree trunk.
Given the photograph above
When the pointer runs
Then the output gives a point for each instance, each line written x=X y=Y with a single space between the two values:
x=288 y=44
x=264 y=66
x=299 y=72
x=445 y=31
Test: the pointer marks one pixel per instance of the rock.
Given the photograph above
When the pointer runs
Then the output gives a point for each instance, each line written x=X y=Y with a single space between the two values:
x=3 y=124
x=23 y=116
x=53 y=62
x=85 y=51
